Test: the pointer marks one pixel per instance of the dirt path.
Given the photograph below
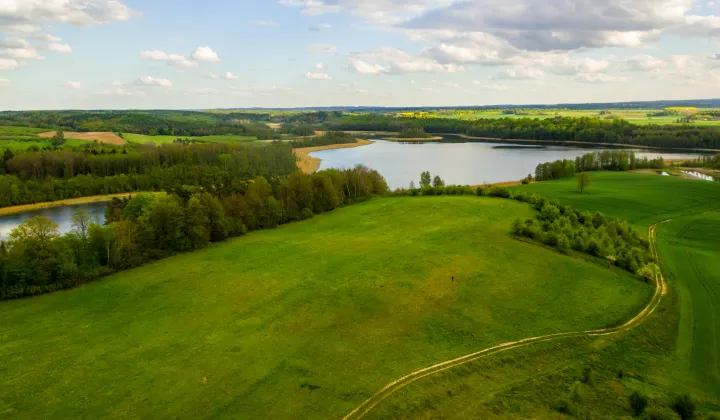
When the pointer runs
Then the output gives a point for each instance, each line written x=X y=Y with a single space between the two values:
x=391 y=388
x=309 y=164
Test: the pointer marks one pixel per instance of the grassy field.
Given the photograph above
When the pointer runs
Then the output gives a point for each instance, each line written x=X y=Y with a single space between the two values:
x=689 y=246
x=22 y=138
x=141 y=138
x=305 y=321
x=635 y=116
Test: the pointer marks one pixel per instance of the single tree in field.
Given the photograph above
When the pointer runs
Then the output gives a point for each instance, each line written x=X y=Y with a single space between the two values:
x=438 y=182
x=583 y=182
x=58 y=139
x=425 y=179
x=412 y=185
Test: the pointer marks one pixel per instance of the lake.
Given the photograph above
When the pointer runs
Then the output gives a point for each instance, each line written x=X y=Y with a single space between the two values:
x=462 y=163
x=60 y=215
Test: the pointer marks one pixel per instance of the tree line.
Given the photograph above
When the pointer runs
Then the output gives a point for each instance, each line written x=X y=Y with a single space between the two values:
x=712 y=162
x=560 y=129
x=609 y=160
x=49 y=176
x=37 y=259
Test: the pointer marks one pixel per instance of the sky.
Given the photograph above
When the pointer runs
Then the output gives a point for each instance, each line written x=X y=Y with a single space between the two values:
x=192 y=54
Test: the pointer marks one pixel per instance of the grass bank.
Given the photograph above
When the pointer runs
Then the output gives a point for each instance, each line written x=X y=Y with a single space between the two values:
x=309 y=164
x=305 y=321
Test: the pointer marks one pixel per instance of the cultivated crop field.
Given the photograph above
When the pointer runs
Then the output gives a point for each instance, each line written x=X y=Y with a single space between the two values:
x=305 y=321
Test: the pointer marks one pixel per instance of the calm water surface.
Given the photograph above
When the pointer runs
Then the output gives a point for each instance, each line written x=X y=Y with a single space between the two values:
x=60 y=215
x=470 y=163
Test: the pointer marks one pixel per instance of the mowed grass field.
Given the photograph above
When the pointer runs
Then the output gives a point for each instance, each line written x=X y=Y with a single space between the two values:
x=689 y=247
x=305 y=321
x=144 y=139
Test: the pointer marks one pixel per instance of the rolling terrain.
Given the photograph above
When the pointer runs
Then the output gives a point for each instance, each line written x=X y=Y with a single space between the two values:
x=307 y=320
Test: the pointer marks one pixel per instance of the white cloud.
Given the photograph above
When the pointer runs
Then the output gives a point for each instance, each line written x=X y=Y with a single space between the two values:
x=32 y=13
x=44 y=37
x=318 y=76
x=452 y=85
x=176 y=60
x=520 y=73
x=4 y=82
x=212 y=75
x=230 y=76
x=62 y=48
x=117 y=83
x=204 y=91
x=121 y=92
x=598 y=78
x=74 y=85
x=205 y=54
x=263 y=22
x=322 y=49
x=319 y=66
x=496 y=87
x=644 y=62
x=387 y=60
x=18 y=48
x=152 y=81
x=319 y=27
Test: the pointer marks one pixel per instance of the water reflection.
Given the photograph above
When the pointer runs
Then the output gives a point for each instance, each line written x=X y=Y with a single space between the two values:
x=700 y=175
x=60 y=215
x=457 y=162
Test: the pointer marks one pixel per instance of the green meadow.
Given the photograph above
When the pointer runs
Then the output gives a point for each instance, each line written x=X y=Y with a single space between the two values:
x=673 y=352
x=304 y=321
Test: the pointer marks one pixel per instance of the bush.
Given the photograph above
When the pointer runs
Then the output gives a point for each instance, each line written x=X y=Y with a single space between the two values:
x=480 y=191
x=306 y=214
x=499 y=192
x=638 y=403
x=565 y=406
x=661 y=413
x=684 y=406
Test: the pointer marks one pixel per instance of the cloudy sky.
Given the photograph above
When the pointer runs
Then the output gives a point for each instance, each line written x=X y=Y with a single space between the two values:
x=90 y=54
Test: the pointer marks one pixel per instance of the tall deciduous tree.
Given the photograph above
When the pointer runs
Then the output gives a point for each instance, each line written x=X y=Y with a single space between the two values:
x=583 y=182
x=425 y=179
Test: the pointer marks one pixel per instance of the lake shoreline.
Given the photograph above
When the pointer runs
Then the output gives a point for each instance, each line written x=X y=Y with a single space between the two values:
x=11 y=211
x=310 y=164
x=417 y=139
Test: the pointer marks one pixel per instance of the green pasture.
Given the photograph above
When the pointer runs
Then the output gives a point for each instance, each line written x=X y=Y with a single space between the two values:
x=304 y=321
x=22 y=138
x=144 y=139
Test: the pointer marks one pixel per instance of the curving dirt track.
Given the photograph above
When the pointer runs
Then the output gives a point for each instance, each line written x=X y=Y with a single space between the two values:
x=391 y=388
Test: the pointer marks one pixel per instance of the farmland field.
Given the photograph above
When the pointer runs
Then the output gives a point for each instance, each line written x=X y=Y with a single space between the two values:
x=303 y=321
x=143 y=139
x=689 y=247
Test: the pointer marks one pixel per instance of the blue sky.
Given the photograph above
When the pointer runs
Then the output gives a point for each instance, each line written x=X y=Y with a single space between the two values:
x=90 y=54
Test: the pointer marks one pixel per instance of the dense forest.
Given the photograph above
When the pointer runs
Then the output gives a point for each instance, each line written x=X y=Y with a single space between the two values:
x=54 y=175
x=609 y=160
x=169 y=123
x=38 y=260
x=559 y=129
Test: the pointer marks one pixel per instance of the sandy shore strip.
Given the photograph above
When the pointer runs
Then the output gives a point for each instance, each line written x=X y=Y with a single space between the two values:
x=7 y=211
x=436 y=138
x=309 y=164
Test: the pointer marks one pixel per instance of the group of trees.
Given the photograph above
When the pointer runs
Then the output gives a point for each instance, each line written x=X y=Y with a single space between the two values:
x=560 y=129
x=147 y=227
x=712 y=162
x=413 y=133
x=568 y=229
x=328 y=138
x=609 y=160
x=55 y=175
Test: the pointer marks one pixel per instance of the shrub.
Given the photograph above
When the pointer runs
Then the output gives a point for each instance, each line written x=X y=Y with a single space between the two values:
x=499 y=192
x=588 y=377
x=638 y=403
x=480 y=191
x=684 y=406
x=661 y=413
x=306 y=214
x=565 y=406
